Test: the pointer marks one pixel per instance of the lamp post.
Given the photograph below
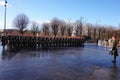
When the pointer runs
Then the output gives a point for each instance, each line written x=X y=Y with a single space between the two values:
x=5 y=17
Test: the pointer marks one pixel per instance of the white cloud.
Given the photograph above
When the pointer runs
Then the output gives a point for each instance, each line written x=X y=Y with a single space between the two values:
x=8 y=26
x=1 y=25
x=47 y=21
x=2 y=3
x=1 y=22
x=37 y=21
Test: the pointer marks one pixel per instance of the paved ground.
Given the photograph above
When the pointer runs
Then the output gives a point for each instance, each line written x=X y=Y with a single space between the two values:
x=79 y=63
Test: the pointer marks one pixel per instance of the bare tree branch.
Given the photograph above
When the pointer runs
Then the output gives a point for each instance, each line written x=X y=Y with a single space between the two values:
x=21 y=21
x=46 y=29
x=63 y=27
x=35 y=28
x=79 y=27
x=69 y=29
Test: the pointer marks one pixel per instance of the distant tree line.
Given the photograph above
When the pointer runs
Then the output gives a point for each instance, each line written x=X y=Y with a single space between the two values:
x=57 y=27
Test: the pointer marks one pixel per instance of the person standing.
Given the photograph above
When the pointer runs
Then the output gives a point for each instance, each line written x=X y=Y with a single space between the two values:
x=114 y=50
x=4 y=41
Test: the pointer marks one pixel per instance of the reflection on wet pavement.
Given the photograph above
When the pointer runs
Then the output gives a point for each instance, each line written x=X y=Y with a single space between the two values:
x=75 y=63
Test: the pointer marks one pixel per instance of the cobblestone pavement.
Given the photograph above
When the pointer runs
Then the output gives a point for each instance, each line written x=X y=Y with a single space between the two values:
x=76 y=63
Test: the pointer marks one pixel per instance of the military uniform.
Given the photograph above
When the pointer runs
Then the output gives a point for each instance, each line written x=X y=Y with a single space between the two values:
x=114 y=50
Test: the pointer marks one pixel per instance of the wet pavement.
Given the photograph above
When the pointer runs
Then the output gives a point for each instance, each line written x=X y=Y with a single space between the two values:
x=76 y=63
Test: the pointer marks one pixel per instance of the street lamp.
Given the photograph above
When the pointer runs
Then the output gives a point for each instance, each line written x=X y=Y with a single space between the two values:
x=5 y=17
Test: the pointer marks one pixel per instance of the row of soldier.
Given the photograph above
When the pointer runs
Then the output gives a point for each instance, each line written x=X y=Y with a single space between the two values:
x=21 y=42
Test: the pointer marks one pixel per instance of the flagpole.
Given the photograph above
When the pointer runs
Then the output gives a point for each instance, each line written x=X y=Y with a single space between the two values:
x=5 y=18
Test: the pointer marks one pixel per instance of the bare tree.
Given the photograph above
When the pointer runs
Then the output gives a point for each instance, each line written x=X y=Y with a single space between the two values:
x=63 y=27
x=99 y=32
x=94 y=32
x=79 y=27
x=103 y=32
x=118 y=31
x=110 y=31
x=55 y=26
x=89 y=29
x=21 y=21
x=46 y=28
x=69 y=29
x=35 y=28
